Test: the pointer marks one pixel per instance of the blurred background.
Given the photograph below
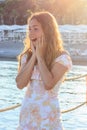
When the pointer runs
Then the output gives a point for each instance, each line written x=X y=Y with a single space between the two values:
x=71 y=16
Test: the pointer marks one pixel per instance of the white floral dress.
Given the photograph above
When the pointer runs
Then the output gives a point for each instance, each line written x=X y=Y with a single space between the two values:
x=40 y=108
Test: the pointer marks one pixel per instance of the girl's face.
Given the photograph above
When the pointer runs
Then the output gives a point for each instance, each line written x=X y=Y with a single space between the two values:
x=35 y=31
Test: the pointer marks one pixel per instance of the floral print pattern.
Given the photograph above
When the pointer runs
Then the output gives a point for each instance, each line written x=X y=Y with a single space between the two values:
x=40 y=108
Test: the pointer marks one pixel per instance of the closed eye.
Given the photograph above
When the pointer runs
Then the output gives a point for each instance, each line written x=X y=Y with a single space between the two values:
x=36 y=29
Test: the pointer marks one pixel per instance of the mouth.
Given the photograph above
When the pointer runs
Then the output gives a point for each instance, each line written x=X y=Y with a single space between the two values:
x=33 y=39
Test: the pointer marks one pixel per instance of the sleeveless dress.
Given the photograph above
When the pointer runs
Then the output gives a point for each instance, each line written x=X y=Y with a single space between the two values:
x=40 y=108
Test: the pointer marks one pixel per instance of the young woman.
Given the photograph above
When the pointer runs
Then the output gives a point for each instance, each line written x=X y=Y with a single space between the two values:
x=42 y=66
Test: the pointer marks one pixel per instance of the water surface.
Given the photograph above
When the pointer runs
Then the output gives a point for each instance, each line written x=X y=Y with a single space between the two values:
x=72 y=93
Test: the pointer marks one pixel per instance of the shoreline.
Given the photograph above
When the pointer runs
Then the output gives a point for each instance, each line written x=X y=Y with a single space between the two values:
x=9 y=50
x=76 y=61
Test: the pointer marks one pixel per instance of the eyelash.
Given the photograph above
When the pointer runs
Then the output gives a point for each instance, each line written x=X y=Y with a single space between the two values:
x=34 y=29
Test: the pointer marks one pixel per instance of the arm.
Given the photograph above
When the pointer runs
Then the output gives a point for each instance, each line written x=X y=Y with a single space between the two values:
x=50 y=78
x=25 y=72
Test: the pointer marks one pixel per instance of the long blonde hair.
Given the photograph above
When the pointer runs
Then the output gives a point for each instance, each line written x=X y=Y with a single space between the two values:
x=52 y=37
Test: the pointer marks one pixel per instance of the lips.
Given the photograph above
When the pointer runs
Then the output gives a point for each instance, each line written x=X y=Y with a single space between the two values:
x=33 y=39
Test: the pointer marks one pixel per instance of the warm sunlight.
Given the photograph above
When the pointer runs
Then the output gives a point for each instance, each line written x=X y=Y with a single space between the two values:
x=43 y=67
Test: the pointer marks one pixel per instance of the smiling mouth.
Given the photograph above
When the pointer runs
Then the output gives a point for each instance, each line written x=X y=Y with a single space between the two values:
x=34 y=39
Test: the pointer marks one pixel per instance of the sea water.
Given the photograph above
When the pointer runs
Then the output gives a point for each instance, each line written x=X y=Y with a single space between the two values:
x=71 y=94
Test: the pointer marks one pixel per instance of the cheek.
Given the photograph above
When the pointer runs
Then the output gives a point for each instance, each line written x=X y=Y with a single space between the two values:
x=38 y=34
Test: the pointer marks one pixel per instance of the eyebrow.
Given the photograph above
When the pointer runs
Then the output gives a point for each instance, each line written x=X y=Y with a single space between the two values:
x=33 y=26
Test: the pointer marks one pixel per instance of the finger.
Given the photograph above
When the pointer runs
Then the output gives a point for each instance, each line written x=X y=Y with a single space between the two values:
x=36 y=42
x=42 y=40
x=32 y=47
x=39 y=42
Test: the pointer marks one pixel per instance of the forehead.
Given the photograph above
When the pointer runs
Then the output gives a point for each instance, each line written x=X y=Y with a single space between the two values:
x=34 y=22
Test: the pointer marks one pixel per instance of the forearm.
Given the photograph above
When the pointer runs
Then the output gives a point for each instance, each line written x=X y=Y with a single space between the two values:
x=46 y=75
x=24 y=75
